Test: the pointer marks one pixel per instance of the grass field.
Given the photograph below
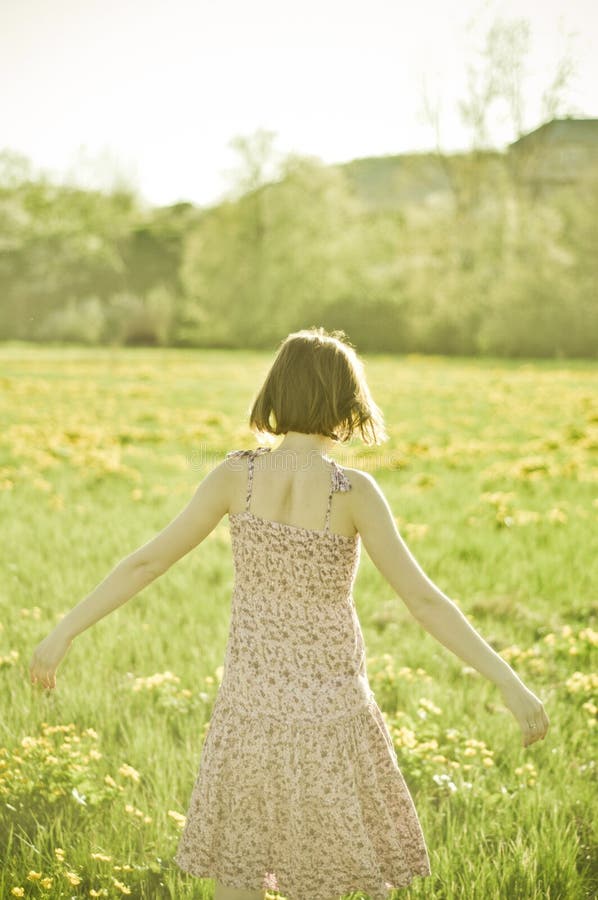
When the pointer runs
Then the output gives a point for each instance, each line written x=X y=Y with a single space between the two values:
x=492 y=478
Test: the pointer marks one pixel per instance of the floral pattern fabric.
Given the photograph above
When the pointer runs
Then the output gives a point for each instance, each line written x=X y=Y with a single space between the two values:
x=299 y=789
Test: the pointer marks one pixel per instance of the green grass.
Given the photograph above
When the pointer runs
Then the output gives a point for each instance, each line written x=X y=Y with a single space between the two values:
x=491 y=475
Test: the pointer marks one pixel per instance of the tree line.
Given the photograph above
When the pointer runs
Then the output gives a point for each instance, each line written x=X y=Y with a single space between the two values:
x=489 y=268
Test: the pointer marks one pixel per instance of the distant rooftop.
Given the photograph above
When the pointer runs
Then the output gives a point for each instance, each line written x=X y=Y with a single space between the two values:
x=557 y=130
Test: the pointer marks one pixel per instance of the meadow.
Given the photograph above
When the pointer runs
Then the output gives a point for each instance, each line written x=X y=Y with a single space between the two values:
x=491 y=474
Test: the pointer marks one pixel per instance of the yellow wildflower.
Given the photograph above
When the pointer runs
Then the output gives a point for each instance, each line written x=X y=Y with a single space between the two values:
x=178 y=818
x=589 y=635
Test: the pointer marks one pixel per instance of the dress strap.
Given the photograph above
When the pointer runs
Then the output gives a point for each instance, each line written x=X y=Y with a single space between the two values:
x=250 y=463
x=250 y=454
x=338 y=482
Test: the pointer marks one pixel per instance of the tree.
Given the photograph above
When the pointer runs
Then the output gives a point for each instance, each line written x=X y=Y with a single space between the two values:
x=278 y=253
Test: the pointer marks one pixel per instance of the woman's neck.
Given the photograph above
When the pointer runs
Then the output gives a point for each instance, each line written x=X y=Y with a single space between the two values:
x=298 y=442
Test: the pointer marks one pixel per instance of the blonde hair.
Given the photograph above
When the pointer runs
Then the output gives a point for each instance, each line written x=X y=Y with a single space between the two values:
x=317 y=385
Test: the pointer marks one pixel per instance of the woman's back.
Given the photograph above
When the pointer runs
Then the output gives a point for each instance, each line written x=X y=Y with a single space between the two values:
x=292 y=488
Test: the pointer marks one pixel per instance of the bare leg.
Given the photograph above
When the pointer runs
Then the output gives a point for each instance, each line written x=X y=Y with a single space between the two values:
x=229 y=893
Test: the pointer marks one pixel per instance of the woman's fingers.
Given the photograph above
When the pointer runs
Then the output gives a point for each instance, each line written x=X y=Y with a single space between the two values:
x=42 y=676
x=536 y=729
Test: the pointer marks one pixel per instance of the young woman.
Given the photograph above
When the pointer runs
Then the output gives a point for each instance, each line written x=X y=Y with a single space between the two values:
x=299 y=789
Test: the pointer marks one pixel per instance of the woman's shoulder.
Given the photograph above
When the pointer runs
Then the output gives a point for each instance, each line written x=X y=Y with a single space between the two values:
x=358 y=480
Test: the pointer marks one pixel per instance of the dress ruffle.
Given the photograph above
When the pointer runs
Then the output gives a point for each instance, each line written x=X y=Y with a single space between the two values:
x=311 y=811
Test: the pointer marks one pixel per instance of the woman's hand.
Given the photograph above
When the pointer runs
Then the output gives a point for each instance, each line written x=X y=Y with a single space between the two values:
x=46 y=658
x=527 y=709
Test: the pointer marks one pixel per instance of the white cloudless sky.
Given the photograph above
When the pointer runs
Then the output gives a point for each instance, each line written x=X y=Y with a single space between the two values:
x=155 y=89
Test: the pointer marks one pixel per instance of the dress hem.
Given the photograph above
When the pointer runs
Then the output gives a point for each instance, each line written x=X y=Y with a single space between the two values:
x=423 y=871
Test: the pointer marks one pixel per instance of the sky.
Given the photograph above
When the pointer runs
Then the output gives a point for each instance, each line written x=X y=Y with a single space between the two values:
x=153 y=91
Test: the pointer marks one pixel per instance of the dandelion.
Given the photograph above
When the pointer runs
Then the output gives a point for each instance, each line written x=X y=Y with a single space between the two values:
x=487 y=761
x=406 y=737
x=589 y=635
x=178 y=818
x=537 y=665
x=47 y=882
x=121 y=887
x=580 y=683
x=34 y=876
x=59 y=853
x=18 y=892
x=72 y=878
x=128 y=771
x=102 y=857
x=556 y=515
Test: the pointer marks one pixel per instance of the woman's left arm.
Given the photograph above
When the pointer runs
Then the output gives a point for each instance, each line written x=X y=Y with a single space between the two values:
x=208 y=505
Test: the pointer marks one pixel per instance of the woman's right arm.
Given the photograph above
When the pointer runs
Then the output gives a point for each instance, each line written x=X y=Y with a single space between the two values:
x=435 y=611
